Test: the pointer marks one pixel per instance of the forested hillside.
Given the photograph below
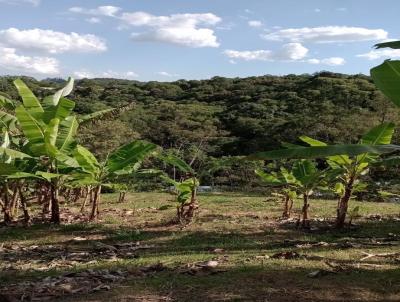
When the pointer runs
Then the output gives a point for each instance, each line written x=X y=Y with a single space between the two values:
x=222 y=117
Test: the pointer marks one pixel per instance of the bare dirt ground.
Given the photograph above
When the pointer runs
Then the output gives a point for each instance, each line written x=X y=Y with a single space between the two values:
x=237 y=249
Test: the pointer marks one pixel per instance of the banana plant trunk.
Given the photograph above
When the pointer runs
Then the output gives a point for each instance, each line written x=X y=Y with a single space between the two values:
x=95 y=204
x=45 y=199
x=121 y=197
x=27 y=217
x=55 y=204
x=343 y=203
x=192 y=205
x=6 y=209
x=287 y=207
x=87 y=193
x=186 y=211
x=306 y=205
x=15 y=201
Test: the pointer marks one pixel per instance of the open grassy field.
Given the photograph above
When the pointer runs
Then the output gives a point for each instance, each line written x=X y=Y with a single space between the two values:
x=236 y=250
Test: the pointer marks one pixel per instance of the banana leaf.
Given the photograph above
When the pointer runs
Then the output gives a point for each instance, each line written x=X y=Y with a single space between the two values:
x=324 y=151
x=128 y=155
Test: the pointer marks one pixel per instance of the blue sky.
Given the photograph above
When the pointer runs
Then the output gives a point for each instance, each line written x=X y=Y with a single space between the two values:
x=167 y=40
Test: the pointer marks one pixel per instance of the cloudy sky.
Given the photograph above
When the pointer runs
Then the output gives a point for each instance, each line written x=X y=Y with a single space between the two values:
x=170 y=39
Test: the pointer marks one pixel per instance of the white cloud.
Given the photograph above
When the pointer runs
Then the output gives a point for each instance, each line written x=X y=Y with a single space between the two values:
x=317 y=10
x=93 y=20
x=18 y=2
x=186 y=37
x=176 y=20
x=167 y=74
x=341 y=9
x=314 y=61
x=381 y=53
x=107 y=10
x=51 y=41
x=190 y=30
x=84 y=74
x=180 y=29
x=291 y=52
x=250 y=55
x=288 y=52
x=81 y=74
x=131 y=74
x=333 y=61
x=326 y=34
x=255 y=23
x=116 y=74
x=11 y=60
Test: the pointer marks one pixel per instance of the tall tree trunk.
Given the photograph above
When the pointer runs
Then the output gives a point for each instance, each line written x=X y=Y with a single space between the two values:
x=55 y=205
x=306 y=205
x=6 y=198
x=95 y=204
x=344 y=203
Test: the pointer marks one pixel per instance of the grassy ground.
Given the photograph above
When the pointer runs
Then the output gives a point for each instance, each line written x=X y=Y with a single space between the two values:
x=238 y=231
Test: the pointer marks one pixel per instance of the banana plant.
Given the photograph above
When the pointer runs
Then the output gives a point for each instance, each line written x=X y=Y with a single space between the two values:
x=352 y=160
x=309 y=178
x=49 y=129
x=8 y=167
x=45 y=130
x=284 y=180
x=353 y=168
x=185 y=197
x=303 y=179
x=15 y=172
x=20 y=182
x=123 y=161
x=186 y=187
